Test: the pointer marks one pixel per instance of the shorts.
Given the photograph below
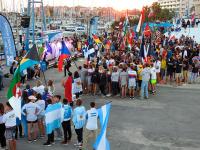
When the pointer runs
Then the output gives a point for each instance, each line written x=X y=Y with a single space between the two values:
x=139 y=83
x=178 y=75
x=32 y=121
x=153 y=81
x=131 y=85
x=10 y=133
x=185 y=73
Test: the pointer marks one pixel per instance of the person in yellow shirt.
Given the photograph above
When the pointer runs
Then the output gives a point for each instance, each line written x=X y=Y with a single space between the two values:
x=140 y=68
x=163 y=68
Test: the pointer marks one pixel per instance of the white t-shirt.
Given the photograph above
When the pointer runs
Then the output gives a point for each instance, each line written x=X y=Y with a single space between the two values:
x=39 y=89
x=157 y=66
x=41 y=104
x=132 y=75
x=31 y=110
x=92 y=119
x=9 y=119
x=77 y=85
x=153 y=73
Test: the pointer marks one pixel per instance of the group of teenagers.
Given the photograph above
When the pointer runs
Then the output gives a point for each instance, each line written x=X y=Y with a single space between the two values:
x=35 y=101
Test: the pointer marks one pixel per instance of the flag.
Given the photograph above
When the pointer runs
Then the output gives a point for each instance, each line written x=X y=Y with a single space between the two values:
x=53 y=117
x=151 y=14
x=96 y=39
x=13 y=85
x=172 y=37
x=93 y=25
x=125 y=26
x=145 y=49
x=30 y=59
x=142 y=18
x=65 y=53
x=158 y=34
x=48 y=48
x=193 y=17
x=16 y=105
x=147 y=31
x=101 y=141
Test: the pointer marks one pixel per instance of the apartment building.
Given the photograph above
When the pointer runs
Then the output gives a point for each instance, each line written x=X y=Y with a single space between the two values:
x=180 y=7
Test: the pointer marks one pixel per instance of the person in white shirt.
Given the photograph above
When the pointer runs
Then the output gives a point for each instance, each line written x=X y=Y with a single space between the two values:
x=91 y=126
x=39 y=88
x=41 y=103
x=9 y=118
x=132 y=76
x=157 y=65
x=153 y=79
x=31 y=111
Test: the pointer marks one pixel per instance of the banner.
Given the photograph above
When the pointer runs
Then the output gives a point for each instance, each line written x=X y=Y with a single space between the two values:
x=8 y=40
x=93 y=25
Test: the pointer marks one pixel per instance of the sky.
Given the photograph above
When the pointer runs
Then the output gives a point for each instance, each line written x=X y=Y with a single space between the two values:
x=116 y=4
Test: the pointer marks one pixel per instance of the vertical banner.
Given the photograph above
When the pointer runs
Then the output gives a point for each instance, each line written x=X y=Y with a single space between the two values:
x=8 y=40
x=93 y=25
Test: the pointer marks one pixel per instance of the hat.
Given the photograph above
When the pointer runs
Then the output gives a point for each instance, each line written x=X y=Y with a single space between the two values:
x=32 y=97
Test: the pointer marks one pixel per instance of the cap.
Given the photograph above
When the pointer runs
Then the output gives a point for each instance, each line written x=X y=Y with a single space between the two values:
x=32 y=97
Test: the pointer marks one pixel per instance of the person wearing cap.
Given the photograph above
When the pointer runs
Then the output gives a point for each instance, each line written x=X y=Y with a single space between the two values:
x=132 y=75
x=31 y=111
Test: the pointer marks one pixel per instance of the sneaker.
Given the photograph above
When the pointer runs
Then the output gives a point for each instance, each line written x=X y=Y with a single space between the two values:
x=35 y=140
x=80 y=145
x=133 y=97
x=29 y=141
x=64 y=143
x=47 y=144
x=53 y=143
x=130 y=97
x=34 y=78
x=58 y=139
x=108 y=95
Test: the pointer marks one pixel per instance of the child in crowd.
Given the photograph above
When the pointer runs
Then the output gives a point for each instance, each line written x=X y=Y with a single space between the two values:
x=9 y=118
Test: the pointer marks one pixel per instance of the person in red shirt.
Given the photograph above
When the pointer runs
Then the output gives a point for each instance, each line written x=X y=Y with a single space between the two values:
x=68 y=88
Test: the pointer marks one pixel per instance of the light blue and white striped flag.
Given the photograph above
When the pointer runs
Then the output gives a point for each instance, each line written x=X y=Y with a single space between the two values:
x=101 y=141
x=53 y=117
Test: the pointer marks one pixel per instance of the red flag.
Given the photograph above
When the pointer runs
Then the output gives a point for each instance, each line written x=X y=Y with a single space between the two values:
x=142 y=18
x=68 y=89
x=64 y=55
x=147 y=31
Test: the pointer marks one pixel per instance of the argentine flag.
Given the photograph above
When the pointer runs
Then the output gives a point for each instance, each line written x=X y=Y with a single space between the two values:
x=101 y=141
x=53 y=117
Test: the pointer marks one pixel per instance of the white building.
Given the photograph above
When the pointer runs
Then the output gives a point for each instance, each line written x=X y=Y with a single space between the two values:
x=180 y=7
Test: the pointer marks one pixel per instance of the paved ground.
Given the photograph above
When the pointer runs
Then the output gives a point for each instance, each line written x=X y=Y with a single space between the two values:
x=167 y=121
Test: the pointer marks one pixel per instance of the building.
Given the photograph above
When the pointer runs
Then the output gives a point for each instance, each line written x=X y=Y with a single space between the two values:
x=180 y=7
x=196 y=4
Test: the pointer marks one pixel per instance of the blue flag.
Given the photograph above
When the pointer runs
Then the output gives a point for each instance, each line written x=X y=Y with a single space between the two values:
x=101 y=141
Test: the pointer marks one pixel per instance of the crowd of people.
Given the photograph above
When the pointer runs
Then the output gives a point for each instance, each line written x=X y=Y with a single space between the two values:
x=114 y=69
x=35 y=101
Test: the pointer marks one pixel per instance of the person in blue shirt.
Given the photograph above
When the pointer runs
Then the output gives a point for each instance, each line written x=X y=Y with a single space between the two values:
x=66 y=124
x=79 y=120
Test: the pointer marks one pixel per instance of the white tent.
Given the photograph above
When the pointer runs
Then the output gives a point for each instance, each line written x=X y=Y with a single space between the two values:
x=188 y=32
